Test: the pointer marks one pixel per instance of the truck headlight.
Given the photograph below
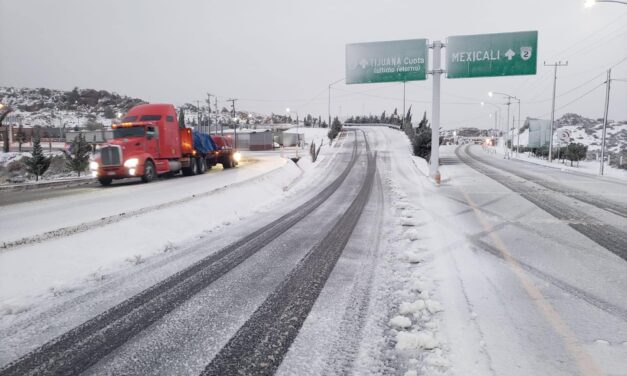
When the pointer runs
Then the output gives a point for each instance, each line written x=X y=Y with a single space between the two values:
x=131 y=163
x=237 y=156
x=93 y=165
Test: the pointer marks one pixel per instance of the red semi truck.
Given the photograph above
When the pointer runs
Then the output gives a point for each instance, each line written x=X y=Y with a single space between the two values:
x=149 y=142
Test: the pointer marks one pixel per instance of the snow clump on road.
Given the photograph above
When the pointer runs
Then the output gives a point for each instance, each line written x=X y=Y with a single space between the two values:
x=412 y=336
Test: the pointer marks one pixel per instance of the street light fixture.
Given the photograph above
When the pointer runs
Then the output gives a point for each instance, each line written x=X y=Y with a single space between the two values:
x=591 y=3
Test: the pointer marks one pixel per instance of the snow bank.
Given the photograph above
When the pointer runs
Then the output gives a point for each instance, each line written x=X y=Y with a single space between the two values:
x=421 y=164
x=64 y=264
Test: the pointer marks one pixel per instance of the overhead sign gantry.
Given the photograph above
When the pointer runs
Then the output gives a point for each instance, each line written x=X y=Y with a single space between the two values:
x=467 y=56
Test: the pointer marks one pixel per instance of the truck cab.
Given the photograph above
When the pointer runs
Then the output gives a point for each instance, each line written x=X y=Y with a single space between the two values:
x=145 y=144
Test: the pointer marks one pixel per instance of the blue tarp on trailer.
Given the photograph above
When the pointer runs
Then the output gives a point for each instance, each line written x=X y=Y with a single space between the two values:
x=203 y=142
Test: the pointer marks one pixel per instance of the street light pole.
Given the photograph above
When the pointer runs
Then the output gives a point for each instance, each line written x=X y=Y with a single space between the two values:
x=234 y=125
x=496 y=126
x=331 y=84
x=509 y=102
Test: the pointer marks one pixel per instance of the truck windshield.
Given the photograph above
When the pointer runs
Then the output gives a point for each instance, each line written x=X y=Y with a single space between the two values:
x=128 y=132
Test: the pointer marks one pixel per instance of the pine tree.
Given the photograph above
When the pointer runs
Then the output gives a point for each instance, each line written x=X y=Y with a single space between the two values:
x=21 y=137
x=38 y=163
x=336 y=128
x=78 y=158
x=407 y=123
x=73 y=96
x=421 y=140
x=108 y=113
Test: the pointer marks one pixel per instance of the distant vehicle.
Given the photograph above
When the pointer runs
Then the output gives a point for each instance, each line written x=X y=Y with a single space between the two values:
x=150 y=142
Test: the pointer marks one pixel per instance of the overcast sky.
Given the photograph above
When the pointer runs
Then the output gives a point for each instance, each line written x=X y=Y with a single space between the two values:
x=275 y=54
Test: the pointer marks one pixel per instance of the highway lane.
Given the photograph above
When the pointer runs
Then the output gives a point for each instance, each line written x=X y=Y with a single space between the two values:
x=131 y=347
x=543 y=273
x=564 y=199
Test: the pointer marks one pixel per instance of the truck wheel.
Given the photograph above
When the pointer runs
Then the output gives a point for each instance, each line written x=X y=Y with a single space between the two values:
x=105 y=181
x=193 y=166
x=202 y=165
x=227 y=163
x=149 y=172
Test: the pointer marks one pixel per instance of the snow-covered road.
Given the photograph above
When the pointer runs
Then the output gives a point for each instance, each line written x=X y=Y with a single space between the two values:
x=342 y=268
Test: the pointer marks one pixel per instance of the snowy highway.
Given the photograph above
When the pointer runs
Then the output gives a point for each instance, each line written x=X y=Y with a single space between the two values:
x=355 y=264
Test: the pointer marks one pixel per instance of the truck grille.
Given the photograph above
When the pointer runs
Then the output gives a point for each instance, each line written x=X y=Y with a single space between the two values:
x=110 y=156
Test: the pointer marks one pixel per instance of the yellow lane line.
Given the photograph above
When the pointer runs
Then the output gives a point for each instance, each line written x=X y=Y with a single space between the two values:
x=586 y=364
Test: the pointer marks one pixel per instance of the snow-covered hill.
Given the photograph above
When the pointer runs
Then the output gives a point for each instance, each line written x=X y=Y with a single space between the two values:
x=89 y=108
x=55 y=108
x=589 y=132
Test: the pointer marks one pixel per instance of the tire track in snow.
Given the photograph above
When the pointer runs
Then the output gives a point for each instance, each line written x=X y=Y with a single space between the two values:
x=601 y=203
x=83 y=346
x=607 y=236
x=260 y=345
x=346 y=347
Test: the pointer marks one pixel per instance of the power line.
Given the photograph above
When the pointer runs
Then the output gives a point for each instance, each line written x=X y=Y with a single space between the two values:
x=579 y=42
x=573 y=101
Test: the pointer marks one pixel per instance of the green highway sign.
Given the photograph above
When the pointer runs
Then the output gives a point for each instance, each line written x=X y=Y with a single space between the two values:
x=392 y=61
x=489 y=55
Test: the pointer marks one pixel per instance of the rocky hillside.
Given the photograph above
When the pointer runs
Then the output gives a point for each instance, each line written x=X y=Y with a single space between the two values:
x=590 y=132
x=90 y=109
x=55 y=108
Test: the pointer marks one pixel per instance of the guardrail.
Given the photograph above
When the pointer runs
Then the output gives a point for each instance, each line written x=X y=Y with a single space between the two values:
x=393 y=126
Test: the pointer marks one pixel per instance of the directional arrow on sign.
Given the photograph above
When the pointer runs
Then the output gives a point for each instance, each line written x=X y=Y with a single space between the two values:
x=510 y=54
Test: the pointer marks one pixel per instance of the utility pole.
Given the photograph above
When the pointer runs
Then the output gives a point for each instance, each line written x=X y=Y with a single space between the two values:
x=209 y=114
x=215 y=105
x=235 y=124
x=198 y=115
x=518 y=134
x=607 y=106
x=507 y=131
x=554 y=65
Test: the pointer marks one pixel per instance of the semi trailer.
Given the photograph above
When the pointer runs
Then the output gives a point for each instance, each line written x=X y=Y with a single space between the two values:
x=149 y=141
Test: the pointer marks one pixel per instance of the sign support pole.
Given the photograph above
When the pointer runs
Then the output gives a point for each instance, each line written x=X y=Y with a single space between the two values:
x=435 y=108
x=403 y=117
